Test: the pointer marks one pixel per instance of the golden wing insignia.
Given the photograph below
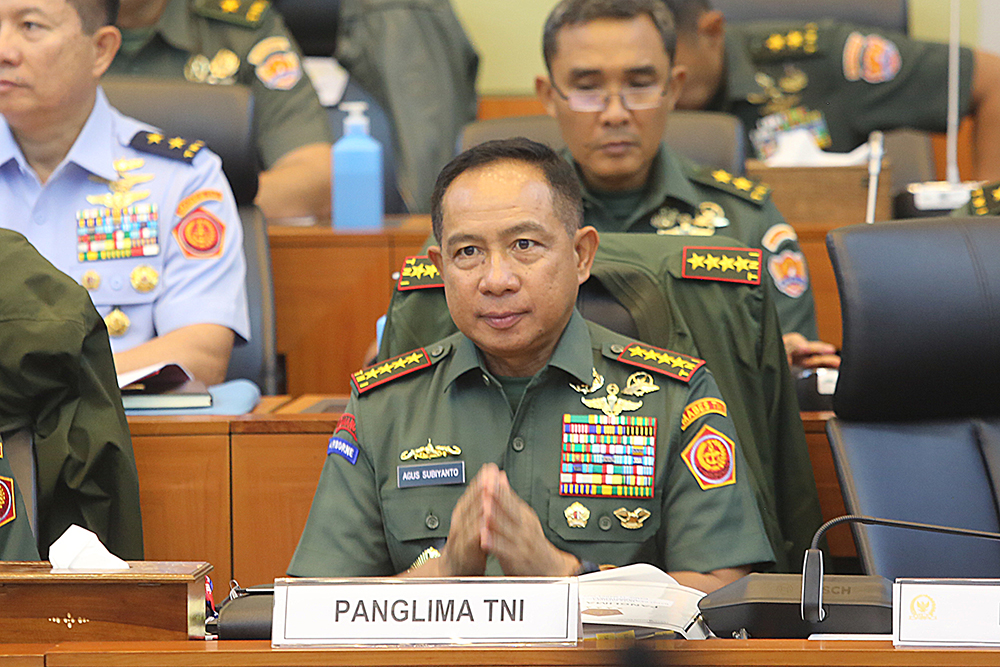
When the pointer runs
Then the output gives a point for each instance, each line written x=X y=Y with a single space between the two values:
x=594 y=386
x=640 y=384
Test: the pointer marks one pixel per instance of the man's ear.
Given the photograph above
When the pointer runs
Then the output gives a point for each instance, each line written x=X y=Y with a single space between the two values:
x=546 y=94
x=585 y=243
x=434 y=252
x=106 y=40
x=678 y=75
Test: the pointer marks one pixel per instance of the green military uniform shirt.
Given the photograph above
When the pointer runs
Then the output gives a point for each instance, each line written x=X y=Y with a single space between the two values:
x=671 y=488
x=234 y=41
x=838 y=80
x=57 y=378
x=683 y=199
x=984 y=200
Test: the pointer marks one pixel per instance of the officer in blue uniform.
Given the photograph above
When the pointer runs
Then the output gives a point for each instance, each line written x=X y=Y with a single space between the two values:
x=144 y=220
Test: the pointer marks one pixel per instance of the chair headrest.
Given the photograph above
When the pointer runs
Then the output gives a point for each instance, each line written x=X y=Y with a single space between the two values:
x=221 y=116
x=313 y=23
x=920 y=301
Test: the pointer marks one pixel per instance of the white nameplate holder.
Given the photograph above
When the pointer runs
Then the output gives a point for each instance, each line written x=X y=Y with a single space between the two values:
x=946 y=612
x=459 y=611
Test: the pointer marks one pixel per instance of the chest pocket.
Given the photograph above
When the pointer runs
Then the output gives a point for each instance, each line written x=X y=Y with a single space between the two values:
x=604 y=519
x=421 y=513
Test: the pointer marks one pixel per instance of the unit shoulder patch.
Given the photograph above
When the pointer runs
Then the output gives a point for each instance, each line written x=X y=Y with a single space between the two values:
x=7 y=510
x=799 y=42
x=244 y=13
x=729 y=265
x=418 y=272
x=746 y=189
x=392 y=369
x=986 y=200
x=711 y=458
x=175 y=148
x=666 y=362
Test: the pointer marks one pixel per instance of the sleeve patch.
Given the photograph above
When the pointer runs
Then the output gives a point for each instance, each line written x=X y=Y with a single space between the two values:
x=418 y=272
x=740 y=186
x=200 y=235
x=195 y=200
x=731 y=265
x=276 y=63
x=874 y=58
x=700 y=408
x=373 y=376
x=789 y=273
x=7 y=511
x=347 y=423
x=343 y=448
x=711 y=458
x=986 y=200
x=778 y=234
x=674 y=364
x=175 y=148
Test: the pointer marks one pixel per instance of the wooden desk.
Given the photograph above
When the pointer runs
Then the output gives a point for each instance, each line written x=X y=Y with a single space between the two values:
x=679 y=653
x=23 y=655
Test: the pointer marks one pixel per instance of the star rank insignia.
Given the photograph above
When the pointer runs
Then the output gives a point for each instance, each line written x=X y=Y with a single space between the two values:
x=744 y=188
x=390 y=369
x=799 y=42
x=731 y=265
x=418 y=272
x=666 y=362
x=986 y=200
x=246 y=13
x=175 y=148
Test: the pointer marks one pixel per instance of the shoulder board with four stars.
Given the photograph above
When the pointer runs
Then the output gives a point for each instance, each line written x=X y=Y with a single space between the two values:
x=392 y=369
x=799 y=42
x=418 y=272
x=245 y=13
x=666 y=362
x=164 y=145
x=731 y=265
x=986 y=200
x=752 y=191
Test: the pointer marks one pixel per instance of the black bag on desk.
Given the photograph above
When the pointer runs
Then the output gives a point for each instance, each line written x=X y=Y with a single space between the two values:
x=247 y=616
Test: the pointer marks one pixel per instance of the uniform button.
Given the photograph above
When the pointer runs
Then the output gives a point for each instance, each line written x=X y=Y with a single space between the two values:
x=617 y=349
x=432 y=522
x=605 y=523
x=518 y=444
x=436 y=352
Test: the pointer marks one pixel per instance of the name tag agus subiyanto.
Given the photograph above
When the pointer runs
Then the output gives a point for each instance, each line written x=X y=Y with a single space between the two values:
x=481 y=610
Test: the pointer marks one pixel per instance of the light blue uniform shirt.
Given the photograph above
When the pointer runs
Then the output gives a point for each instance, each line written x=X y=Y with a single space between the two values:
x=200 y=282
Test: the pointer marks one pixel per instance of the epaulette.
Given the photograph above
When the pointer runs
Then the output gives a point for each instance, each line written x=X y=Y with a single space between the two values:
x=392 y=369
x=986 y=200
x=730 y=265
x=740 y=186
x=174 y=148
x=244 y=13
x=779 y=45
x=418 y=272
x=666 y=362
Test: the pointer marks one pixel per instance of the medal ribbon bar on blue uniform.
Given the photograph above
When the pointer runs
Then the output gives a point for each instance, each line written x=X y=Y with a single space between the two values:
x=608 y=457
x=104 y=233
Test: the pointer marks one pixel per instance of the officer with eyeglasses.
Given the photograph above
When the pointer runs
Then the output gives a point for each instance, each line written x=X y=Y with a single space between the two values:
x=611 y=85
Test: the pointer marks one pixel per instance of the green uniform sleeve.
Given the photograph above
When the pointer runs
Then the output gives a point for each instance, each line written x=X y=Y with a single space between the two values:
x=16 y=540
x=788 y=278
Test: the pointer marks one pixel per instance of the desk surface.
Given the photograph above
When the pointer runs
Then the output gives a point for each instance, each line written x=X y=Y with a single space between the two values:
x=785 y=652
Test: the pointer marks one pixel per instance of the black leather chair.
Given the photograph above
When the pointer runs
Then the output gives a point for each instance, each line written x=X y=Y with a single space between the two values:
x=707 y=137
x=917 y=429
x=886 y=14
x=224 y=121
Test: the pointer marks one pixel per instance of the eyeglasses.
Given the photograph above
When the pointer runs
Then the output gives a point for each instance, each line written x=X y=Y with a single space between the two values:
x=634 y=98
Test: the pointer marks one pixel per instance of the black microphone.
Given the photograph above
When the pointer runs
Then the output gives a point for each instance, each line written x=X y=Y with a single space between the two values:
x=812 y=565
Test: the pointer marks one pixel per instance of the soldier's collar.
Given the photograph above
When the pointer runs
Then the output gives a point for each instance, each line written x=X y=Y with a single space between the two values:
x=93 y=149
x=572 y=353
x=668 y=177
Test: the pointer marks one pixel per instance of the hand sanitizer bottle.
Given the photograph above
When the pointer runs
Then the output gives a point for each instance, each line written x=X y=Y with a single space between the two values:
x=357 y=174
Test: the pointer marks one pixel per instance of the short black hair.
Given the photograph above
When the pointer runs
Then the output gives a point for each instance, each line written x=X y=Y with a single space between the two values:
x=577 y=12
x=686 y=13
x=96 y=13
x=567 y=202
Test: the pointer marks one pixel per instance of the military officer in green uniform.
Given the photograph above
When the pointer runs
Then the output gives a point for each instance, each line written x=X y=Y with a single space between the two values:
x=223 y=42
x=611 y=87
x=58 y=382
x=837 y=80
x=531 y=442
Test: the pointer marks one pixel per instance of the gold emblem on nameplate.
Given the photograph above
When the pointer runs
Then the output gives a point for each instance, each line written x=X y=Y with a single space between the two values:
x=613 y=404
x=117 y=323
x=144 y=278
x=577 y=515
x=632 y=520
x=121 y=195
x=671 y=221
x=430 y=451
x=91 y=280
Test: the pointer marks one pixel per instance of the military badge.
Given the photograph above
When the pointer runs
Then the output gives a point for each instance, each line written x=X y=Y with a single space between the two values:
x=874 y=58
x=418 y=272
x=676 y=365
x=710 y=456
x=347 y=423
x=200 y=235
x=789 y=273
x=246 y=13
x=700 y=408
x=91 y=280
x=608 y=456
x=986 y=200
x=742 y=187
x=778 y=234
x=430 y=451
x=175 y=148
x=577 y=515
x=7 y=510
x=144 y=278
x=632 y=520
x=731 y=265
x=671 y=221
x=616 y=400
x=780 y=95
x=117 y=323
x=1 y=448
x=108 y=233
x=373 y=376
x=277 y=65
x=195 y=200
x=346 y=450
